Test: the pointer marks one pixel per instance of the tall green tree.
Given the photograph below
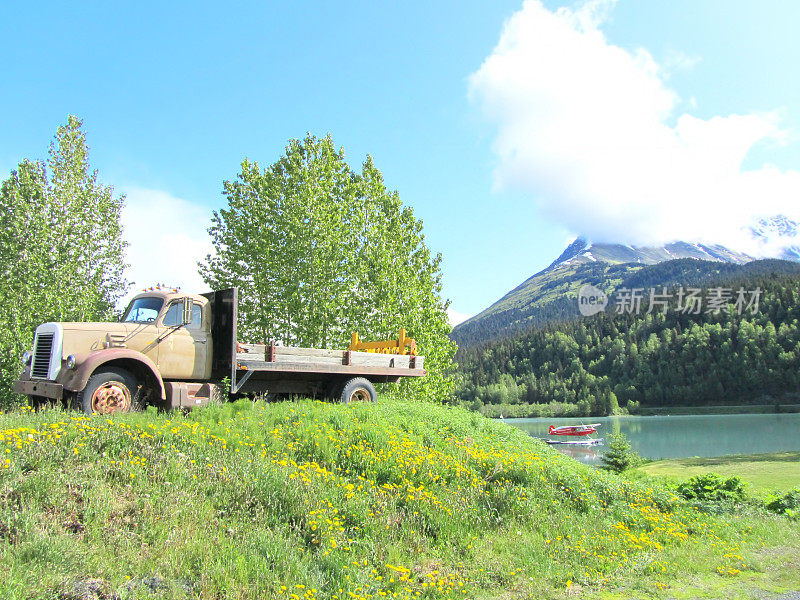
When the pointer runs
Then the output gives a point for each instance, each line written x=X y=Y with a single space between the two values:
x=320 y=250
x=619 y=456
x=61 y=246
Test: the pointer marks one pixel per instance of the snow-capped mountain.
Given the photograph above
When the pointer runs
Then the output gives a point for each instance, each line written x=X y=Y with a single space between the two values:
x=582 y=251
x=550 y=293
x=779 y=234
x=776 y=237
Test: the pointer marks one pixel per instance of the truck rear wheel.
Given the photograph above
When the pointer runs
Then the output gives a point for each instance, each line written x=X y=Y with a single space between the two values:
x=108 y=391
x=358 y=389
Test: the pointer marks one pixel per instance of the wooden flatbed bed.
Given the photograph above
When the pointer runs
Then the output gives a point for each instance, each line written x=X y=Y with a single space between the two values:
x=287 y=369
x=275 y=369
x=272 y=358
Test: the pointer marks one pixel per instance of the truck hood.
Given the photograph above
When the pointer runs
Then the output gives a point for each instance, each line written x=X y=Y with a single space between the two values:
x=81 y=338
x=95 y=325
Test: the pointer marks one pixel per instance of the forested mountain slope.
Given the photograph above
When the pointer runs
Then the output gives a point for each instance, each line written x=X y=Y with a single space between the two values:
x=551 y=295
x=672 y=358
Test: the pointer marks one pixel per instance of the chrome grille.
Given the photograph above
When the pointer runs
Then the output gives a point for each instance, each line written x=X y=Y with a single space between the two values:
x=41 y=356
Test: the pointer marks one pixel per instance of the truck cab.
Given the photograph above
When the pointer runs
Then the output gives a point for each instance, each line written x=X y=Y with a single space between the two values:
x=174 y=330
x=163 y=334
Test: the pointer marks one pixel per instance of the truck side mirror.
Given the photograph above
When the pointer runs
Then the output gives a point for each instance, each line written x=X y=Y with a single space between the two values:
x=187 y=310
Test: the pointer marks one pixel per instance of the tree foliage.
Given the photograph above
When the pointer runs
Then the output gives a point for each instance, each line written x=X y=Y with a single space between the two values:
x=61 y=246
x=319 y=250
x=712 y=487
x=788 y=504
x=619 y=457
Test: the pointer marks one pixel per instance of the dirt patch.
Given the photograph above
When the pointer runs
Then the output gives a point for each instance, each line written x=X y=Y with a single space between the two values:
x=87 y=589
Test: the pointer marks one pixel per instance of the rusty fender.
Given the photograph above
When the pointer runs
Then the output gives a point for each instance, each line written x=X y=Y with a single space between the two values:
x=75 y=380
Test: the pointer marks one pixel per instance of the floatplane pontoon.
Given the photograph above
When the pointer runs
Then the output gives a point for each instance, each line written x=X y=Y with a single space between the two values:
x=585 y=442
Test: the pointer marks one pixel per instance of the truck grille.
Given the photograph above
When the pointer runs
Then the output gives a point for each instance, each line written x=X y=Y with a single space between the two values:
x=41 y=356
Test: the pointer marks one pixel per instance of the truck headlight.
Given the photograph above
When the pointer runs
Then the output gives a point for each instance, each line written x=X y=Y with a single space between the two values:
x=27 y=357
x=70 y=362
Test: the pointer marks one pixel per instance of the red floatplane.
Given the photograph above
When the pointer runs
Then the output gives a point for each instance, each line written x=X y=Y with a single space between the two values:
x=574 y=429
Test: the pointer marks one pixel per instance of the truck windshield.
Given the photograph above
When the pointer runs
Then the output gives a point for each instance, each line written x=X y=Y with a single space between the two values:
x=143 y=310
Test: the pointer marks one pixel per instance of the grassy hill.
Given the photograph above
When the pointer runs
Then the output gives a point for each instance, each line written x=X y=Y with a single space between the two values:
x=312 y=500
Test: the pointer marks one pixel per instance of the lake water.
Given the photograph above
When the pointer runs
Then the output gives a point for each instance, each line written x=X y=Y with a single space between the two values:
x=680 y=436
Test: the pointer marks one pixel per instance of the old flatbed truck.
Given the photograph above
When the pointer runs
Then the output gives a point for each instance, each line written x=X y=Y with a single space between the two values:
x=177 y=350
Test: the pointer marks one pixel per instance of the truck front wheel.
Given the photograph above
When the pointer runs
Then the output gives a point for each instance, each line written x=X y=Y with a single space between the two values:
x=358 y=389
x=108 y=391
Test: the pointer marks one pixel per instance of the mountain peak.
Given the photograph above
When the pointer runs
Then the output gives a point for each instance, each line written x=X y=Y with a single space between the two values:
x=779 y=235
x=583 y=251
x=779 y=225
x=576 y=248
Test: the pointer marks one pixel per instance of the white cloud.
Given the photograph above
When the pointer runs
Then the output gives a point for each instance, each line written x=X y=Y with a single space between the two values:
x=590 y=130
x=167 y=237
x=456 y=317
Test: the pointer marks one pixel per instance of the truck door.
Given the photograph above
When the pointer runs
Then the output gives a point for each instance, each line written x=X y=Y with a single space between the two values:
x=222 y=309
x=184 y=352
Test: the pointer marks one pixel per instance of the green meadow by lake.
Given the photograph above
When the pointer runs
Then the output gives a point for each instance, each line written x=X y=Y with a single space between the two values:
x=681 y=436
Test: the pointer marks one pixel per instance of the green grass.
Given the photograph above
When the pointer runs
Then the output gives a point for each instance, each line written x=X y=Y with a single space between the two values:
x=778 y=471
x=311 y=500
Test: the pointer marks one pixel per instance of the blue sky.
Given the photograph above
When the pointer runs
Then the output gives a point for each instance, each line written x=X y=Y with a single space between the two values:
x=175 y=95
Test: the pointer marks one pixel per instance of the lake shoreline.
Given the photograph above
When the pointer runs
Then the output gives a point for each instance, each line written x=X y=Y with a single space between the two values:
x=733 y=409
x=674 y=436
x=652 y=411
